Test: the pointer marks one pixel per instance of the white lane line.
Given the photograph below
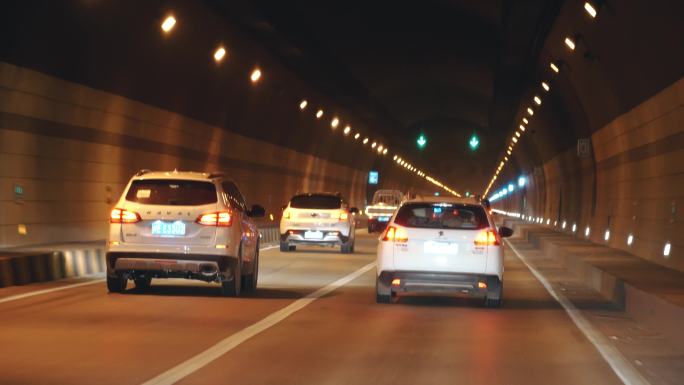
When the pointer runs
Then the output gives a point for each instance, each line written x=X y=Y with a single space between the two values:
x=204 y=358
x=627 y=373
x=66 y=287
x=48 y=291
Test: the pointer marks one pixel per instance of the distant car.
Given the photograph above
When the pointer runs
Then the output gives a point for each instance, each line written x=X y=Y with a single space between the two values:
x=183 y=225
x=440 y=244
x=385 y=202
x=318 y=219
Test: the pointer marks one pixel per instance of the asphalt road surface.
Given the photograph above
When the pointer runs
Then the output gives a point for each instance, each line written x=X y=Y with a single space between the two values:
x=313 y=320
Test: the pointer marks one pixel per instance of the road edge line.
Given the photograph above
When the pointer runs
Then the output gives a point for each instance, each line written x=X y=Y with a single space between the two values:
x=620 y=365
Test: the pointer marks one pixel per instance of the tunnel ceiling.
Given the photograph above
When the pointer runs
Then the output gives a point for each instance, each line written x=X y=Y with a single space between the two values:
x=448 y=69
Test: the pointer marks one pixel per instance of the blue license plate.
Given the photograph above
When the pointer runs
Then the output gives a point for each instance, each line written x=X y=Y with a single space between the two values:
x=383 y=219
x=168 y=228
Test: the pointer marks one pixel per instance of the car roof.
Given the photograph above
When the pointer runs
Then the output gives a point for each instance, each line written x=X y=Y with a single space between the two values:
x=175 y=174
x=443 y=199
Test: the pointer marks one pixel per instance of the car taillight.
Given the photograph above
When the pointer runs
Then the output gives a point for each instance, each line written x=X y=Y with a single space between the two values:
x=395 y=234
x=124 y=216
x=343 y=216
x=286 y=214
x=221 y=218
x=487 y=237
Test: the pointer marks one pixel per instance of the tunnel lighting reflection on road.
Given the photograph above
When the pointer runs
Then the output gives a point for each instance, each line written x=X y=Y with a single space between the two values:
x=365 y=141
x=219 y=54
x=545 y=86
x=530 y=111
x=570 y=43
x=630 y=239
x=255 y=76
x=303 y=104
x=168 y=24
x=606 y=235
x=357 y=136
x=319 y=114
x=587 y=231
x=591 y=10
x=666 y=249
x=347 y=130
x=554 y=67
x=537 y=100
x=335 y=122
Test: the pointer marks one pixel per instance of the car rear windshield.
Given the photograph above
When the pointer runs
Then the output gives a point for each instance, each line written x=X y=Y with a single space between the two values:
x=172 y=192
x=328 y=202
x=442 y=216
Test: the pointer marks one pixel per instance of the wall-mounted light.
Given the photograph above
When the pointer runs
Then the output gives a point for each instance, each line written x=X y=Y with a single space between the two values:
x=384 y=152
x=319 y=114
x=530 y=111
x=219 y=54
x=168 y=23
x=666 y=249
x=357 y=136
x=537 y=100
x=334 y=122
x=554 y=67
x=563 y=225
x=630 y=239
x=545 y=86
x=347 y=130
x=303 y=104
x=570 y=43
x=590 y=8
x=255 y=76
x=365 y=141
x=374 y=144
x=587 y=231
x=522 y=181
x=525 y=121
x=606 y=235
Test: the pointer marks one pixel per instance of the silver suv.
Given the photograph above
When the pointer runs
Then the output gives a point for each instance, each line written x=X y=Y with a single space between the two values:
x=183 y=225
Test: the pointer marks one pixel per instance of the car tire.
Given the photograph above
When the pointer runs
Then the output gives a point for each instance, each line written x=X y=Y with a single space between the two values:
x=383 y=293
x=348 y=247
x=284 y=247
x=370 y=229
x=495 y=296
x=232 y=287
x=116 y=283
x=249 y=281
x=143 y=283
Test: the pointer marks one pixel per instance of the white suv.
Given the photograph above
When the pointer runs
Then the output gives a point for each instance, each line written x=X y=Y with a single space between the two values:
x=318 y=219
x=183 y=225
x=440 y=244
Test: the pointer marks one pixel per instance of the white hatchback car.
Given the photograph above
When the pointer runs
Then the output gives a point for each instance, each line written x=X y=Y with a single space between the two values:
x=318 y=219
x=183 y=225
x=441 y=244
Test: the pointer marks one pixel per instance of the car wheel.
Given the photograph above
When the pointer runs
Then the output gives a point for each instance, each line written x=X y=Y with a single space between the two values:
x=143 y=283
x=348 y=247
x=495 y=296
x=284 y=246
x=116 y=284
x=249 y=281
x=383 y=293
x=232 y=287
x=370 y=228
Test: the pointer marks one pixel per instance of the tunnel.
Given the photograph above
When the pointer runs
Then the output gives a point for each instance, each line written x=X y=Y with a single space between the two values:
x=561 y=119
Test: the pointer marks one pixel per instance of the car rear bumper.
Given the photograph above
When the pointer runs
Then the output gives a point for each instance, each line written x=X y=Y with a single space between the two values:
x=170 y=263
x=440 y=282
x=330 y=237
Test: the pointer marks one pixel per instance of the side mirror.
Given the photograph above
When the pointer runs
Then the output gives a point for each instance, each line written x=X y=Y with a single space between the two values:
x=354 y=210
x=505 y=232
x=256 y=211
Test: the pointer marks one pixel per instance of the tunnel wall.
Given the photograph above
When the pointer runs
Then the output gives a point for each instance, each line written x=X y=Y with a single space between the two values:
x=72 y=149
x=633 y=183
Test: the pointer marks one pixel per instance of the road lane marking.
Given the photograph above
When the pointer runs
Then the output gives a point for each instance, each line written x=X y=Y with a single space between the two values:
x=66 y=287
x=48 y=291
x=627 y=373
x=204 y=358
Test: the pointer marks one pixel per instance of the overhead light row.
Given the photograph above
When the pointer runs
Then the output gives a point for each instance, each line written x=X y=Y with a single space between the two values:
x=571 y=43
x=403 y=163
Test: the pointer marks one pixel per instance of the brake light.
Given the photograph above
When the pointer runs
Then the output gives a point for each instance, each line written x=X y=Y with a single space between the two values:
x=123 y=216
x=395 y=234
x=343 y=216
x=221 y=218
x=487 y=237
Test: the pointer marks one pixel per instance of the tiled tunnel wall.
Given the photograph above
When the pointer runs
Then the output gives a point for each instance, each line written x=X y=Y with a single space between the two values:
x=633 y=185
x=71 y=149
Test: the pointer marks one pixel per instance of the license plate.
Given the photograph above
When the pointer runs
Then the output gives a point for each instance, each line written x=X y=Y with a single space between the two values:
x=435 y=247
x=383 y=219
x=313 y=235
x=168 y=228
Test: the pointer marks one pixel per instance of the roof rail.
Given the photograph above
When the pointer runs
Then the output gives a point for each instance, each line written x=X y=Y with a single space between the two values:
x=143 y=172
x=216 y=174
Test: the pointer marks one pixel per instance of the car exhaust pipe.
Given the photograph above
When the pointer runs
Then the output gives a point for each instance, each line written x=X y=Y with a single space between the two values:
x=208 y=269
